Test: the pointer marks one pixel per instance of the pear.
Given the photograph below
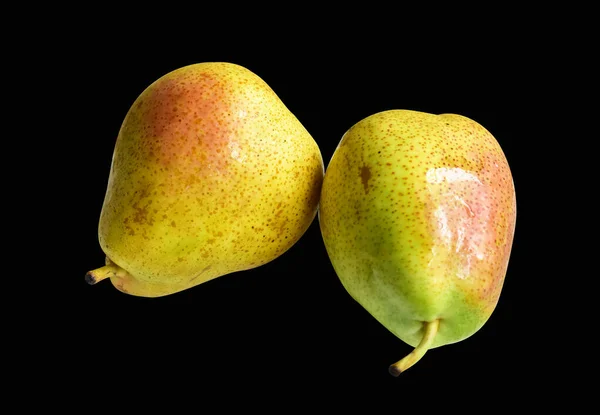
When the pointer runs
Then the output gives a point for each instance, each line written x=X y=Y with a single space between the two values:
x=418 y=214
x=211 y=174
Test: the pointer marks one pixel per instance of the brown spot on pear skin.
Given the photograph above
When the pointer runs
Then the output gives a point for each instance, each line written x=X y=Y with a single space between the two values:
x=365 y=175
x=141 y=214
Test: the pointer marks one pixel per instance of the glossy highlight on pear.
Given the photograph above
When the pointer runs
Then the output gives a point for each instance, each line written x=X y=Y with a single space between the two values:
x=417 y=214
x=211 y=174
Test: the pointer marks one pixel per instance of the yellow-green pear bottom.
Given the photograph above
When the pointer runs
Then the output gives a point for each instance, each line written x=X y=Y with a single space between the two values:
x=417 y=214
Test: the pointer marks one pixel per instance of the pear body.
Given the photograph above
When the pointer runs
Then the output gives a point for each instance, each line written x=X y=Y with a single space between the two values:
x=418 y=214
x=211 y=174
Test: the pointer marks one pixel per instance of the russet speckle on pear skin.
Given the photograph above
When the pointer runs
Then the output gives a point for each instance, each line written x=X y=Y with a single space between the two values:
x=211 y=174
x=418 y=215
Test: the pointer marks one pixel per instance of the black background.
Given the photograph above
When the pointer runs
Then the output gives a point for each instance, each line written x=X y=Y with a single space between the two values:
x=288 y=326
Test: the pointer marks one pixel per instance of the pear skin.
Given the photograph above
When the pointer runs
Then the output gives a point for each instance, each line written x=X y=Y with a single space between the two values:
x=211 y=174
x=418 y=215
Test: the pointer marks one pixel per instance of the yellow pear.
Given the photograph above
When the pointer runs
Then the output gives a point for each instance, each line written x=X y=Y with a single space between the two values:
x=211 y=174
x=418 y=214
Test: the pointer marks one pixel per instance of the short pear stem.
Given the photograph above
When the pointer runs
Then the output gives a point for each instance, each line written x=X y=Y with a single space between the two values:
x=431 y=328
x=99 y=274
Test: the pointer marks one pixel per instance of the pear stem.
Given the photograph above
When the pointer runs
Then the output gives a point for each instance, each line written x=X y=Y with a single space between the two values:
x=99 y=274
x=431 y=328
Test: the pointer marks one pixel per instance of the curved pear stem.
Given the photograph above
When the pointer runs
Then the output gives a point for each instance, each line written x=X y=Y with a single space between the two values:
x=431 y=328
x=99 y=274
